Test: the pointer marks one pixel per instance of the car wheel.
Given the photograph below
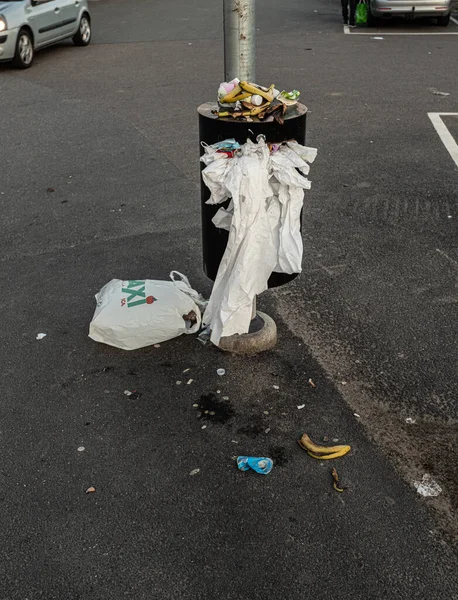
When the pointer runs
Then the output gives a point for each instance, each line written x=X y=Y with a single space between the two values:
x=371 y=20
x=443 y=21
x=23 y=56
x=83 y=36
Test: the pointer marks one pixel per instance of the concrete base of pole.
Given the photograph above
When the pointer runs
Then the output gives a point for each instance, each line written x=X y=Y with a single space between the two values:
x=262 y=336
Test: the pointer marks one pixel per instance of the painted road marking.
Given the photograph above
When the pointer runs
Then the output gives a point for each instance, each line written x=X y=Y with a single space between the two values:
x=447 y=138
x=377 y=33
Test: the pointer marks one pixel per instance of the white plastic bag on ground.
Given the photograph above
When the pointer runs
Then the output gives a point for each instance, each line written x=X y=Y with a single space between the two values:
x=263 y=220
x=137 y=313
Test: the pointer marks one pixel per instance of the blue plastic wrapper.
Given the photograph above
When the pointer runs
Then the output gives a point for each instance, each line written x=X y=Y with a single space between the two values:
x=261 y=465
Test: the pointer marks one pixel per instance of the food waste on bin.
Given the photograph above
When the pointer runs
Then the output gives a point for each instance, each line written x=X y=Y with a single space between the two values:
x=249 y=101
x=265 y=184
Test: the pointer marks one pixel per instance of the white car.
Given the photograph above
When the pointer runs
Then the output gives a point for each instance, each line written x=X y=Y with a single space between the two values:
x=29 y=25
x=439 y=9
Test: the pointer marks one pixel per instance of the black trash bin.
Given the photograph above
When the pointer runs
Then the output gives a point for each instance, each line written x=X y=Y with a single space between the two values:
x=212 y=130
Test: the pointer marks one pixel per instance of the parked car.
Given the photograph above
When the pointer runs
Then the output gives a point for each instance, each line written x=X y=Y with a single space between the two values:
x=30 y=25
x=440 y=9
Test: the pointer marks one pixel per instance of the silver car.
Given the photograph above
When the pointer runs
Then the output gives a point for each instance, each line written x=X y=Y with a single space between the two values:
x=29 y=25
x=440 y=9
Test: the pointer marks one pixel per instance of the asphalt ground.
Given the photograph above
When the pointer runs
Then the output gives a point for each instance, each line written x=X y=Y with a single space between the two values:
x=101 y=180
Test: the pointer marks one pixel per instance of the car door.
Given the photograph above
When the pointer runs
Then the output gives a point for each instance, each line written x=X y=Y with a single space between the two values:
x=42 y=17
x=68 y=13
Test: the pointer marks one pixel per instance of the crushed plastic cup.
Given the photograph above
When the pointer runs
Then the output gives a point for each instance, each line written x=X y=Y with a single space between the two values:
x=261 y=465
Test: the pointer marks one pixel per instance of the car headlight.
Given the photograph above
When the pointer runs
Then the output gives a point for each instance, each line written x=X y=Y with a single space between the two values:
x=3 y=25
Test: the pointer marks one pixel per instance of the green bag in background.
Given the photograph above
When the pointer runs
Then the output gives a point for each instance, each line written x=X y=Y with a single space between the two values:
x=361 y=13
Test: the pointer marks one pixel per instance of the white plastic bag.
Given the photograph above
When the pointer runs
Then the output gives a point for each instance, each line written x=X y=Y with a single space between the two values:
x=263 y=220
x=137 y=313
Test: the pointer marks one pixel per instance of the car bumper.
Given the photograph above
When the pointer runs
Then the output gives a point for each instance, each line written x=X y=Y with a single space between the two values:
x=422 y=8
x=8 y=44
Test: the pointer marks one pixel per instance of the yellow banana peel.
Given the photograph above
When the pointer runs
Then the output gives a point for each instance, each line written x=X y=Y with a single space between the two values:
x=322 y=452
x=253 y=90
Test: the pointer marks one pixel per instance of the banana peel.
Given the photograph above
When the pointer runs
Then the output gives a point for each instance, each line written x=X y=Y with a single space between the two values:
x=336 y=481
x=230 y=97
x=322 y=452
x=253 y=90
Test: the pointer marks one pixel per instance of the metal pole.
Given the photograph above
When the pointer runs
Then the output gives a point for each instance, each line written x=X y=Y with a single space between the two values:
x=239 y=40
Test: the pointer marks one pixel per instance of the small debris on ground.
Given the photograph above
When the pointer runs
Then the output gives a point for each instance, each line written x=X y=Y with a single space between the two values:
x=50 y=190
x=267 y=430
x=194 y=472
x=260 y=465
x=215 y=408
x=40 y=336
x=301 y=406
x=410 y=421
x=133 y=395
x=276 y=387
x=190 y=381
x=311 y=384
x=81 y=449
x=336 y=482
x=221 y=372
x=195 y=406
x=178 y=382
x=204 y=427
x=377 y=38
x=90 y=490
x=186 y=370
x=157 y=346
x=427 y=487
x=357 y=416
x=436 y=93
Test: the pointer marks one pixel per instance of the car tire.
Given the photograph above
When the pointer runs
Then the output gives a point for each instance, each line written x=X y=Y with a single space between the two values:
x=371 y=20
x=443 y=21
x=23 y=57
x=84 y=33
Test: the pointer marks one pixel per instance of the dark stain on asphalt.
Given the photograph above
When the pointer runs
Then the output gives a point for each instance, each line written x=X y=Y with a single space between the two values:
x=279 y=455
x=254 y=428
x=215 y=409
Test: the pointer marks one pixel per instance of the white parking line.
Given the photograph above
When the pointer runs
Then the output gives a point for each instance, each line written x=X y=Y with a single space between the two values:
x=447 y=139
x=378 y=33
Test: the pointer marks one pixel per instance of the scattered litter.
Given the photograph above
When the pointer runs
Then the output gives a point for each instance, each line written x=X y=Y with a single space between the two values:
x=40 y=336
x=311 y=384
x=138 y=313
x=225 y=397
x=335 y=440
x=234 y=441
x=260 y=465
x=211 y=413
x=218 y=391
x=133 y=395
x=336 y=482
x=343 y=383
x=263 y=219
x=377 y=38
x=90 y=490
x=449 y=216
x=204 y=427
x=322 y=452
x=427 y=487
x=190 y=381
x=50 y=190
x=276 y=387
x=410 y=421
x=81 y=449
x=247 y=101
x=194 y=472
x=178 y=382
x=221 y=372
x=436 y=93
x=357 y=416
x=325 y=438
x=267 y=430
x=157 y=345
x=265 y=412
x=186 y=370
x=301 y=406
x=206 y=412
x=195 y=406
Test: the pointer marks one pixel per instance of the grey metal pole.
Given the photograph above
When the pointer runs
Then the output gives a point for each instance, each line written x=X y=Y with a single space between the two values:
x=239 y=40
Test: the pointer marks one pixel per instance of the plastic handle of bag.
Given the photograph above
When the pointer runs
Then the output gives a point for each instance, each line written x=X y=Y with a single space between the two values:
x=181 y=278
